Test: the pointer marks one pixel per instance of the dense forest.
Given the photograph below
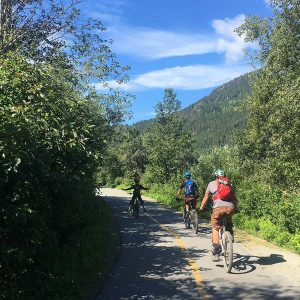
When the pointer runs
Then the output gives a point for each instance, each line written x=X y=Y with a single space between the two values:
x=60 y=138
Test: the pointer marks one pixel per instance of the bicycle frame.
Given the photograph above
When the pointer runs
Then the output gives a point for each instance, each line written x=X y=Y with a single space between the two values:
x=191 y=217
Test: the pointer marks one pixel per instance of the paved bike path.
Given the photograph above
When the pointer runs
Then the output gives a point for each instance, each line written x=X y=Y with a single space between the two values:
x=160 y=259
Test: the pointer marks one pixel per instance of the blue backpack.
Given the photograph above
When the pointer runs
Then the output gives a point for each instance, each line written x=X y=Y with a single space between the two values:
x=189 y=188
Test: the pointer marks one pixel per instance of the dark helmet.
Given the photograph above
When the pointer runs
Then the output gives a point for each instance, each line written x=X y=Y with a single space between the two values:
x=187 y=174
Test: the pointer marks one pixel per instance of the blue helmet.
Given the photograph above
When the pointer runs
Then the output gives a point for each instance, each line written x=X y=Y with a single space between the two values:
x=187 y=174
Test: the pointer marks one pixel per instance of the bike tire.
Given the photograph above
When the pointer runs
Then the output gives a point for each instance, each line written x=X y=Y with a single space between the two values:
x=227 y=251
x=130 y=210
x=195 y=222
x=136 y=210
x=187 y=222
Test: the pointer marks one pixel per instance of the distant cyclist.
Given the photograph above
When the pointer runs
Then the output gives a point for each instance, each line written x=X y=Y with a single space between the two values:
x=224 y=203
x=190 y=191
x=137 y=187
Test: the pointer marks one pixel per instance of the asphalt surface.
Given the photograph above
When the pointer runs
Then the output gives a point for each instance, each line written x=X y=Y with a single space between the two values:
x=160 y=259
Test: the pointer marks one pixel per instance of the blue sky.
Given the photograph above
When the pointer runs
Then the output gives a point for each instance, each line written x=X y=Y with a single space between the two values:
x=186 y=45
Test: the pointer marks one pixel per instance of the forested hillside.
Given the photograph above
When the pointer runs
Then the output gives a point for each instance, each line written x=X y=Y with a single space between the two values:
x=213 y=119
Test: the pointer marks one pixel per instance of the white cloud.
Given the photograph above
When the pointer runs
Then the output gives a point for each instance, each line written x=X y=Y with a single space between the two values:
x=229 y=42
x=194 y=77
x=154 y=44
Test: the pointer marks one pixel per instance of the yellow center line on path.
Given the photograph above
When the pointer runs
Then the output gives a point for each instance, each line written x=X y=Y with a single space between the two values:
x=192 y=263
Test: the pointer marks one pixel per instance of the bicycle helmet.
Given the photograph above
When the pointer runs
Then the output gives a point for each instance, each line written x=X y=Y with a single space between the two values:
x=187 y=174
x=219 y=172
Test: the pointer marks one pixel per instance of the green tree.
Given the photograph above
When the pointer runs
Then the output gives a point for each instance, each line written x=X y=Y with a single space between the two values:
x=272 y=136
x=55 y=32
x=169 y=148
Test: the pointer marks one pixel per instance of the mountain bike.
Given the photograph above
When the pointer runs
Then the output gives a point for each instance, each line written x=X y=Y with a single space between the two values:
x=190 y=217
x=134 y=209
x=226 y=242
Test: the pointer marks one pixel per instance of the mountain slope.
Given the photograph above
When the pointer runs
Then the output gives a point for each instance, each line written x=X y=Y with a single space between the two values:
x=213 y=119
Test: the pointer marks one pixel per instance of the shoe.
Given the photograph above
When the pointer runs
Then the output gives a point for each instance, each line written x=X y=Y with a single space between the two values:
x=215 y=252
x=144 y=209
x=215 y=257
x=216 y=249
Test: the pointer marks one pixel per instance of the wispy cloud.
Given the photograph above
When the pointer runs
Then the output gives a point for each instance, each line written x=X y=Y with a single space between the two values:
x=156 y=44
x=153 y=44
x=193 y=77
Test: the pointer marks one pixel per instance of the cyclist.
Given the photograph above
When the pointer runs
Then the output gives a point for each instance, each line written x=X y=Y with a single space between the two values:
x=220 y=208
x=137 y=187
x=190 y=192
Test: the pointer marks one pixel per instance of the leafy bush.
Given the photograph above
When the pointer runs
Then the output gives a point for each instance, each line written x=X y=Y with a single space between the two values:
x=51 y=141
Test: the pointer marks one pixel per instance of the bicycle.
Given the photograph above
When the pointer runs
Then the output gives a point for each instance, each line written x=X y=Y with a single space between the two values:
x=226 y=241
x=190 y=217
x=134 y=209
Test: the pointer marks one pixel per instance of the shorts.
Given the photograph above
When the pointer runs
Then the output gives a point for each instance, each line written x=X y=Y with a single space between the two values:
x=217 y=214
x=193 y=201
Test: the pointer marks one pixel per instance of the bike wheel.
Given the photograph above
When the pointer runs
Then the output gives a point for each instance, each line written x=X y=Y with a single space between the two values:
x=194 y=217
x=227 y=250
x=187 y=221
x=136 y=211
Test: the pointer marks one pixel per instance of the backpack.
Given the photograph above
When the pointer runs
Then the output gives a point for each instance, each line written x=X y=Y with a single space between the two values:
x=224 y=189
x=189 y=187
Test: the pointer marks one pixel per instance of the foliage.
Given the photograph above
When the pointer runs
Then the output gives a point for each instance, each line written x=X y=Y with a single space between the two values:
x=272 y=136
x=52 y=141
x=126 y=156
x=54 y=32
x=269 y=231
x=169 y=148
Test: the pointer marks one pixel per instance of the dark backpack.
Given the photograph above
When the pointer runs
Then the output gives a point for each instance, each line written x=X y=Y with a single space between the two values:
x=189 y=187
x=224 y=189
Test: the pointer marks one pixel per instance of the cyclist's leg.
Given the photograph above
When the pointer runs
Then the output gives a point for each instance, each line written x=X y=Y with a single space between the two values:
x=188 y=200
x=131 y=201
x=194 y=203
x=186 y=205
x=142 y=202
x=229 y=223
x=216 y=224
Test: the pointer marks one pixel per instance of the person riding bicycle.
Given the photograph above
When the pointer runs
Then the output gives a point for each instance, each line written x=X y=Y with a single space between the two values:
x=224 y=203
x=137 y=187
x=190 y=192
